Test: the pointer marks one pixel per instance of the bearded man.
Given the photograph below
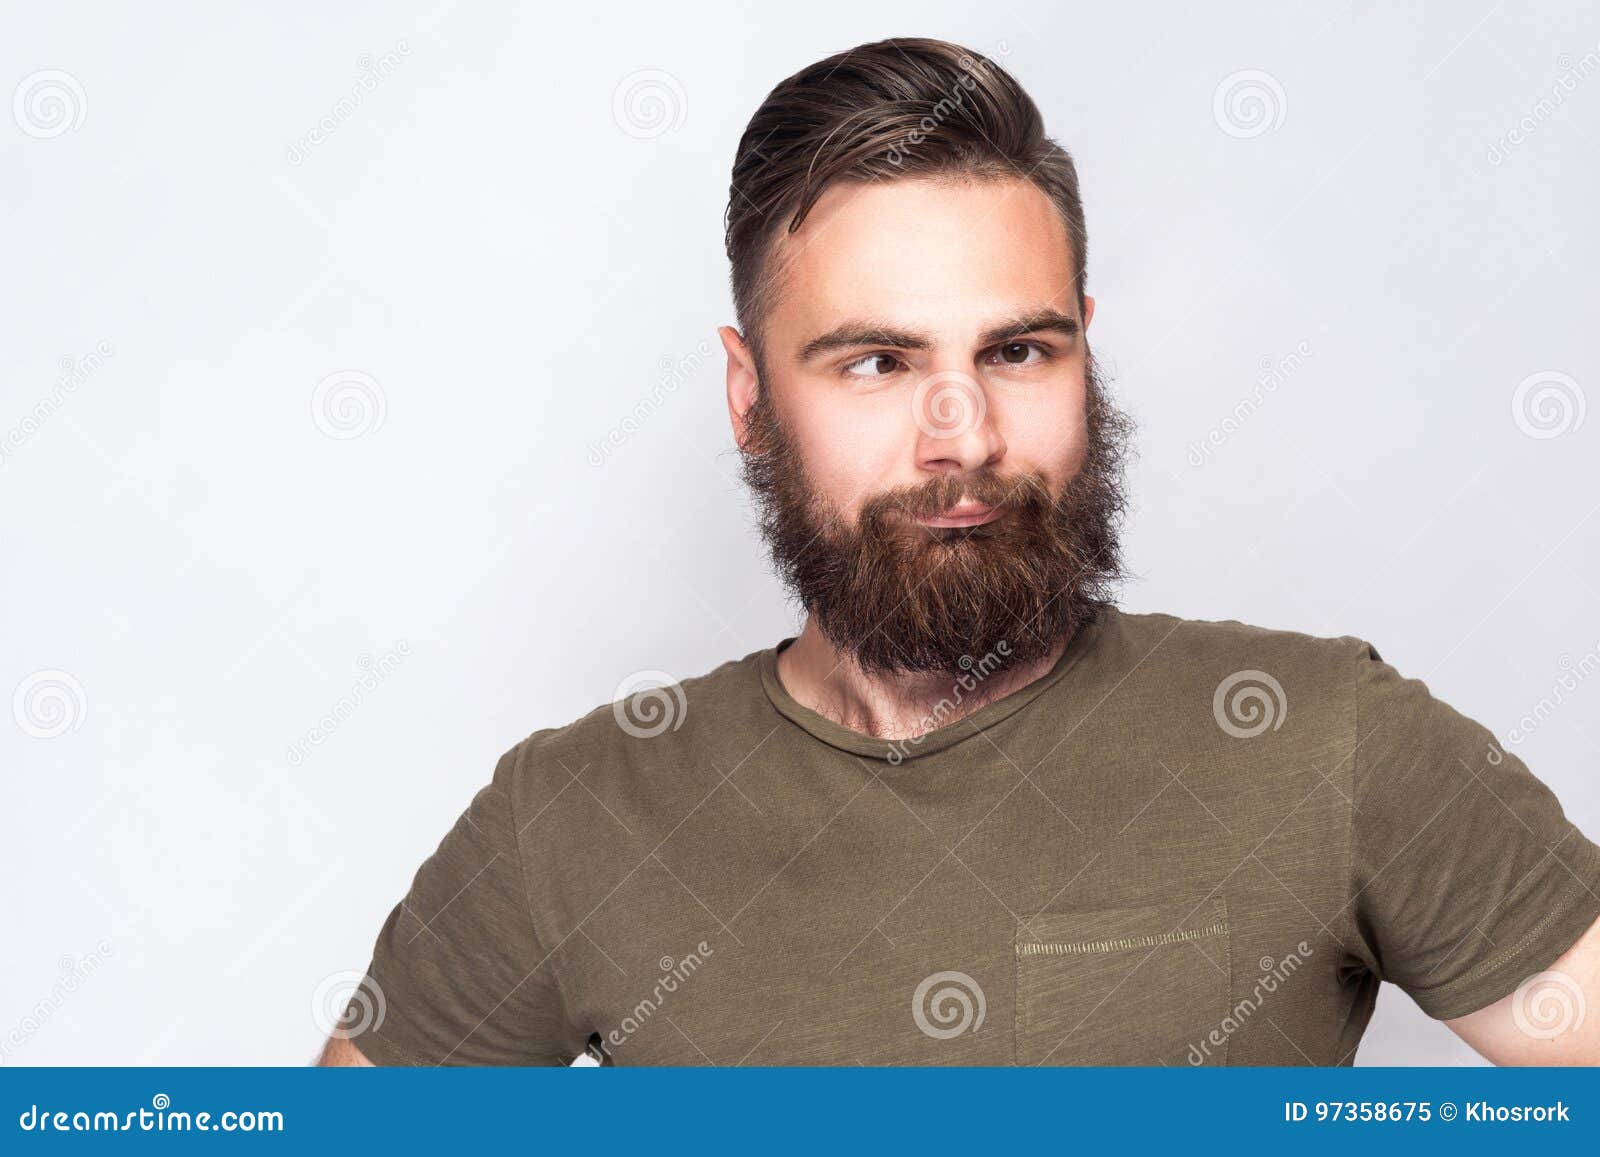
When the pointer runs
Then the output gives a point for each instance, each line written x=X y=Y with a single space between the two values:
x=973 y=813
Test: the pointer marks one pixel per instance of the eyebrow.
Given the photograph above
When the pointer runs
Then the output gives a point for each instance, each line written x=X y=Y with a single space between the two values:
x=857 y=333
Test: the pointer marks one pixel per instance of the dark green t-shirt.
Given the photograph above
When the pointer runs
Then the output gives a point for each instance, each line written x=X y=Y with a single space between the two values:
x=1189 y=843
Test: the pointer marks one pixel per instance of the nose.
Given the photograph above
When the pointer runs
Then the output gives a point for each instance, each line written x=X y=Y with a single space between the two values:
x=955 y=430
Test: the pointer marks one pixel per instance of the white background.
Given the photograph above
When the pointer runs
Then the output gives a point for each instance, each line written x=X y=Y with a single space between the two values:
x=486 y=241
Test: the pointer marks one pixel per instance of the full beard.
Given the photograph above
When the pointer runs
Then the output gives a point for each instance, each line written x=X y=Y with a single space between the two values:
x=898 y=596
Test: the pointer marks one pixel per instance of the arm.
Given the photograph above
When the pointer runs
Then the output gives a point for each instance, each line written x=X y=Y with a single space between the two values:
x=341 y=1053
x=458 y=975
x=1473 y=891
x=1549 y=1019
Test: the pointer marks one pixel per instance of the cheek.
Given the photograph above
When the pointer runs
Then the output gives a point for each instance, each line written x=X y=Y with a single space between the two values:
x=853 y=449
x=1044 y=431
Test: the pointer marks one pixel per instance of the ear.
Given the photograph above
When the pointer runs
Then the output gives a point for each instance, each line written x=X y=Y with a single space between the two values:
x=1088 y=311
x=743 y=381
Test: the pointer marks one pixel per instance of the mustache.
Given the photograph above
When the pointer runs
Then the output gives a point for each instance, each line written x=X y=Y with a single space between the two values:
x=1010 y=492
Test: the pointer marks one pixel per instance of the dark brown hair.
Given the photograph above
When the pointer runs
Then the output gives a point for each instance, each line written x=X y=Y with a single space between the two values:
x=896 y=108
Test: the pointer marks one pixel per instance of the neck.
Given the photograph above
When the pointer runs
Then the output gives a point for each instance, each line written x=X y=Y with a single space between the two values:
x=902 y=704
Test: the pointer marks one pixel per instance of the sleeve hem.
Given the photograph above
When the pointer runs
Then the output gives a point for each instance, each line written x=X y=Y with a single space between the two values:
x=1569 y=918
x=382 y=1052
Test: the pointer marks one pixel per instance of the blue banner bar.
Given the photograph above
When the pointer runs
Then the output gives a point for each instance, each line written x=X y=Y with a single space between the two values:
x=795 y=1110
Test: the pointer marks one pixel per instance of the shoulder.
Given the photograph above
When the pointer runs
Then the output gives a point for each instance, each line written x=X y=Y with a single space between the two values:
x=651 y=739
x=1171 y=641
x=1216 y=681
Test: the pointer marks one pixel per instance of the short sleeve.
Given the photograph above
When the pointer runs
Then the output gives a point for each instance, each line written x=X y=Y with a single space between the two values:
x=458 y=974
x=1466 y=876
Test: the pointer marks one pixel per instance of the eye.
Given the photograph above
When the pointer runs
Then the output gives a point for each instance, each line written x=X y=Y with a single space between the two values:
x=1018 y=353
x=873 y=366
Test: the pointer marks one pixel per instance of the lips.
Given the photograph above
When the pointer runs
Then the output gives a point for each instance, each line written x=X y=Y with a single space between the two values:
x=964 y=514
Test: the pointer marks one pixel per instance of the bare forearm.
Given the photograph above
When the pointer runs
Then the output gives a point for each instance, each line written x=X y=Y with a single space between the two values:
x=1549 y=1020
x=341 y=1053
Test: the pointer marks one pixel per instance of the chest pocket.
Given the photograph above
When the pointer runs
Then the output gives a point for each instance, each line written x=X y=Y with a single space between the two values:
x=1123 y=986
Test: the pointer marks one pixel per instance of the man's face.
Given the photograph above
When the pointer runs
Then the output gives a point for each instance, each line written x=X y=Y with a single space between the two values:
x=935 y=463
x=927 y=329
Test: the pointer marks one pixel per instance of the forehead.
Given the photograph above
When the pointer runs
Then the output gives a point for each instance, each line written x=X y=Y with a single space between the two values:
x=948 y=255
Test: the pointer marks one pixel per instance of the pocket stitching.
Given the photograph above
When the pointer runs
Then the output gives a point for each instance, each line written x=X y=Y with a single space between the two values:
x=1092 y=947
x=1218 y=926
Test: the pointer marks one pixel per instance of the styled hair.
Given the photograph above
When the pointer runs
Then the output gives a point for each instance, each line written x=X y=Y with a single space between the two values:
x=880 y=112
